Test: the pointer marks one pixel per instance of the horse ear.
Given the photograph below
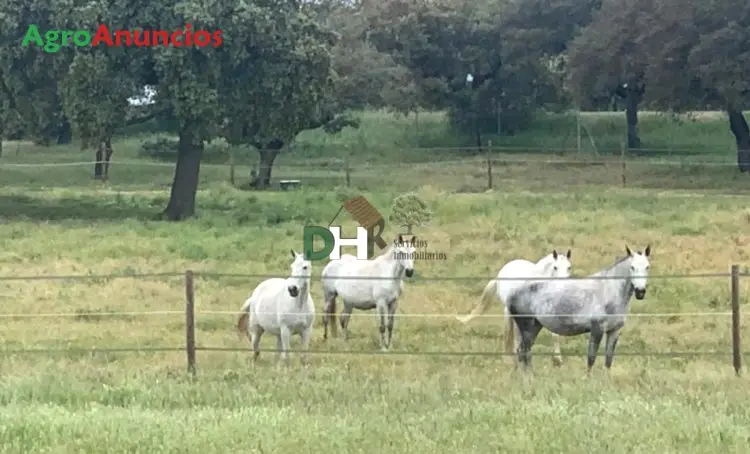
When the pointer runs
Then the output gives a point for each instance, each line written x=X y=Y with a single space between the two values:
x=554 y=254
x=647 y=251
x=628 y=251
x=294 y=254
x=568 y=254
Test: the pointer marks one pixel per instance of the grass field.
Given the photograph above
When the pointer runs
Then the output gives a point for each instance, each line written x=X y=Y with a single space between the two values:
x=696 y=153
x=57 y=222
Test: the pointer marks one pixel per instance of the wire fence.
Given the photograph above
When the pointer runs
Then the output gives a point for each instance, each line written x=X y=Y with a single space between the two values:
x=190 y=313
x=474 y=173
x=217 y=275
x=461 y=354
x=441 y=163
x=103 y=314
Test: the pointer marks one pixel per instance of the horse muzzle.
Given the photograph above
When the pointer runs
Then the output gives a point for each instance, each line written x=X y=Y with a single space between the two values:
x=409 y=272
x=639 y=293
x=293 y=291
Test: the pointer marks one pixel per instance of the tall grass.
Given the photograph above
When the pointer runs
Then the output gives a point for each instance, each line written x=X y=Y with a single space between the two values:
x=385 y=137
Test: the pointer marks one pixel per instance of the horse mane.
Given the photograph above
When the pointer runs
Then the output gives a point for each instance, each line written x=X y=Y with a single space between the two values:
x=546 y=258
x=618 y=260
x=387 y=253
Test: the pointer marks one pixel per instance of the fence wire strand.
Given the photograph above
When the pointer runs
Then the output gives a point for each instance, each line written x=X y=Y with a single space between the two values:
x=333 y=166
x=209 y=274
x=199 y=274
x=354 y=314
x=95 y=350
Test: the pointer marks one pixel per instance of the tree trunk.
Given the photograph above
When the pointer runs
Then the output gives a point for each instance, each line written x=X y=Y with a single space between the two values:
x=65 y=133
x=741 y=131
x=267 y=157
x=185 y=183
x=103 y=157
x=477 y=135
x=107 y=156
x=632 y=100
x=98 y=167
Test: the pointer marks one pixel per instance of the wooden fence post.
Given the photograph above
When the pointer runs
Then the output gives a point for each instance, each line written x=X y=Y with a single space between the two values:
x=231 y=167
x=190 y=321
x=489 y=164
x=623 y=165
x=348 y=172
x=736 y=351
x=578 y=131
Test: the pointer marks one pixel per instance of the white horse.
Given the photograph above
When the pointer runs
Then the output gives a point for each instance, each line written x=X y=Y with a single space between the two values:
x=553 y=265
x=598 y=305
x=282 y=307
x=379 y=288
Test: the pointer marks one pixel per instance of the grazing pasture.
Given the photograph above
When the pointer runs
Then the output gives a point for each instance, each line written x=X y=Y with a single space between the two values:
x=81 y=400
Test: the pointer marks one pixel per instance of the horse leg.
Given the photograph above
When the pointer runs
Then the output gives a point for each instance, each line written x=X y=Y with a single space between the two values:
x=329 y=311
x=306 y=334
x=612 y=338
x=557 y=359
x=256 y=332
x=345 y=317
x=324 y=319
x=594 y=340
x=279 y=348
x=517 y=336
x=391 y=320
x=285 y=337
x=529 y=328
x=382 y=307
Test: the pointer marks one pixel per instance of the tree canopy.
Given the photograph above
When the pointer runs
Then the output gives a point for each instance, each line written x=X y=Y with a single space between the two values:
x=285 y=66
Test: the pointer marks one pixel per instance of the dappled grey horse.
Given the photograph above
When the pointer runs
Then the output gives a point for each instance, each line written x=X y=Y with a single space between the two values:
x=598 y=305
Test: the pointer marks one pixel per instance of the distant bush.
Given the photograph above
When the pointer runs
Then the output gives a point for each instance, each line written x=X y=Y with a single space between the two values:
x=344 y=193
x=165 y=149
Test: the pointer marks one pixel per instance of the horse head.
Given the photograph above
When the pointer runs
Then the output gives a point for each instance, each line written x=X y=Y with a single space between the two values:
x=561 y=266
x=301 y=272
x=639 y=265
x=403 y=253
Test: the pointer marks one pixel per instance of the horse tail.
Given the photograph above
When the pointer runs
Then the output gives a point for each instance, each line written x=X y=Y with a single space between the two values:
x=509 y=336
x=484 y=303
x=244 y=319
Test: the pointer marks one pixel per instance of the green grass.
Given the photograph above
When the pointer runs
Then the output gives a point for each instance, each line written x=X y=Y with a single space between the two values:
x=58 y=222
x=385 y=138
x=382 y=153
